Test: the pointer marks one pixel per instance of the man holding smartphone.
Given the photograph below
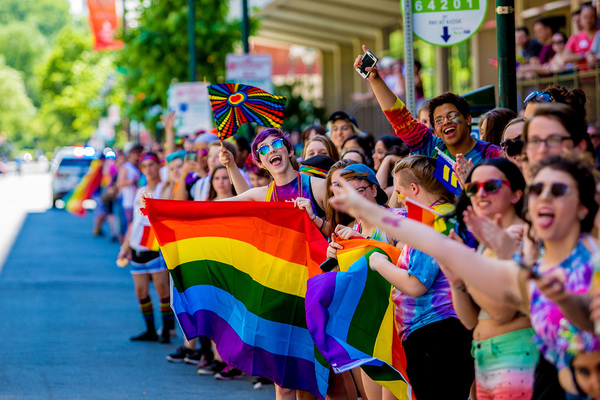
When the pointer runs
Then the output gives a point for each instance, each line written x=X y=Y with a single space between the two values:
x=449 y=114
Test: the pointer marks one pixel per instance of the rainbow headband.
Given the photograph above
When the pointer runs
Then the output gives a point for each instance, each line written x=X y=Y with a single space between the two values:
x=313 y=171
x=150 y=157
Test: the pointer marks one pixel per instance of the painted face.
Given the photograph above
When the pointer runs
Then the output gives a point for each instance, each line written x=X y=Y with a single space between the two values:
x=379 y=154
x=450 y=125
x=511 y=134
x=315 y=148
x=277 y=160
x=340 y=131
x=554 y=211
x=202 y=149
x=258 y=181
x=221 y=182
x=587 y=373
x=175 y=169
x=546 y=137
x=489 y=204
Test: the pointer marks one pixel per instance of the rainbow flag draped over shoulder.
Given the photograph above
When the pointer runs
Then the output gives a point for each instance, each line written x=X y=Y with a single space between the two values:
x=350 y=316
x=84 y=189
x=239 y=277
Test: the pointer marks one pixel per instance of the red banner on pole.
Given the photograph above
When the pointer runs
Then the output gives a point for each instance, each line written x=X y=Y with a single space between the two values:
x=103 y=24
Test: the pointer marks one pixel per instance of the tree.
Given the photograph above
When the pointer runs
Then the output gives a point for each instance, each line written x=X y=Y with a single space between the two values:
x=156 y=53
x=72 y=79
x=16 y=108
x=23 y=47
x=50 y=16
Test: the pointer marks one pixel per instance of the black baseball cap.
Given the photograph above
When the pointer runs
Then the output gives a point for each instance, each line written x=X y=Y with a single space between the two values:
x=342 y=115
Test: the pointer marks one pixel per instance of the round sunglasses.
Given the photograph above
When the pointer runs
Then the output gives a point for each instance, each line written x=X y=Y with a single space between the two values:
x=512 y=147
x=490 y=187
x=264 y=149
x=556 y=190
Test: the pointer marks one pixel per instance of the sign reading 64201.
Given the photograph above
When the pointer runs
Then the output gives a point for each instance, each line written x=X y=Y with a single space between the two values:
x=447 y=22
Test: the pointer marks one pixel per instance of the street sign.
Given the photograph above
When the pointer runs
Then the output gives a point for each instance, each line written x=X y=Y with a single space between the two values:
x=250 y=69
x=192 y=109
x=447 y=22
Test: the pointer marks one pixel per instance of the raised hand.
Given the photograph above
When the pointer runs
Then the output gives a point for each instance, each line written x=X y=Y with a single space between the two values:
x=226 y=157
x=347 y=200
x=462 y=168
x=373 y=70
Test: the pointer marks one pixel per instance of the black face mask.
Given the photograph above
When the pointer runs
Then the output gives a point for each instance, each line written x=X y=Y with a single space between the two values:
x=512 y=147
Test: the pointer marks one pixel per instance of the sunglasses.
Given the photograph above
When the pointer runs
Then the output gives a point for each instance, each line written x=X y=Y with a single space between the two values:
x=556 y=189
x=539 y=97
x=512 y=147
x=490 y=187
x=264 y=149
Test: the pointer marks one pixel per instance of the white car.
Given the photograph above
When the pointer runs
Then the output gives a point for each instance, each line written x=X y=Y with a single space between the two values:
x=68 y=166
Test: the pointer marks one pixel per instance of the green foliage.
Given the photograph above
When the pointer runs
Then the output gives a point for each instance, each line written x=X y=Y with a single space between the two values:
x=16 y=108
x=156 y=52
x=23 y=47
x=48 y=15
x=72 y=79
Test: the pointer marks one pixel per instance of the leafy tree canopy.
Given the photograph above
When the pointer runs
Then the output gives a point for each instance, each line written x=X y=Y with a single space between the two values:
x=48 y=15
x=156 y=52
x=16 y=108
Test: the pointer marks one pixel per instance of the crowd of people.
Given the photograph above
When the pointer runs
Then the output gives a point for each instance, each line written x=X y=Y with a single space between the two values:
x=551 y=51
x=493 y=302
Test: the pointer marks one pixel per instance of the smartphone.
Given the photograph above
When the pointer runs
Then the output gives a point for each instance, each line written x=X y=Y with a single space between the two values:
x=192 y=156
x=368 y=60
x=329 y=264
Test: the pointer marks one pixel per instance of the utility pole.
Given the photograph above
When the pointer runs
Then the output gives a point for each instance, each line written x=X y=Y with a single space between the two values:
x=191 y=40
x=245 y=26
x=507 y=63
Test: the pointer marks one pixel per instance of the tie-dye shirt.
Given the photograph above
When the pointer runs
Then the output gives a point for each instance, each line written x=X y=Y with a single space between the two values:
x=558 y=339
x=420 y=139
x=435 y=304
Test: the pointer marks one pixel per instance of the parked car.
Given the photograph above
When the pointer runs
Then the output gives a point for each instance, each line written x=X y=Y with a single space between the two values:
x=68 y=166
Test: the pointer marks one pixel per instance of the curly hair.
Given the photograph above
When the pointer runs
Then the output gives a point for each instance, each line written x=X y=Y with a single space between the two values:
x=461 y=104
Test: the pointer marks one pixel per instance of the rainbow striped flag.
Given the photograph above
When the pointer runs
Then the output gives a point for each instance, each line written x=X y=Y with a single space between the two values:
x=84 y=189
x=350 y=315
x=239 y=275
x=149 y=240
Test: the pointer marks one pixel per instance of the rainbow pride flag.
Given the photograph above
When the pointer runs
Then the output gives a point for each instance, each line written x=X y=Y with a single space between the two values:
x=350 y=316
x=239 y=277
x=84 y=189
x=149 y=240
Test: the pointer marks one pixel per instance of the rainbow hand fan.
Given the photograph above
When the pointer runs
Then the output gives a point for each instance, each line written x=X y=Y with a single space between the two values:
x=234 y=104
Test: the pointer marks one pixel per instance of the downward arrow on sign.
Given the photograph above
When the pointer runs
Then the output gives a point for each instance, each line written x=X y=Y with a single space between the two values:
x=445 y=36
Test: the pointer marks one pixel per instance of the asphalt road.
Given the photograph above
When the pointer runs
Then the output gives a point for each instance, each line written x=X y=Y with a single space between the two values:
x=67 y=312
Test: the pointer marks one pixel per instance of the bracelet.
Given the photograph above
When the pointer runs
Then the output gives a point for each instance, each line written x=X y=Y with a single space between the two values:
x=322 y=224
x=314 y=217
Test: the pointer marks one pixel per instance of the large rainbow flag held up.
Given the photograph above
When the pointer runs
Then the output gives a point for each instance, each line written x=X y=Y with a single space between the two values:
x=239 y=275
x=350 y=316
x=84 y=189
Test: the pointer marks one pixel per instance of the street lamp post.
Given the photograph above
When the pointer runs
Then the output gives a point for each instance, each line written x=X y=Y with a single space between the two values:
x=191 y=40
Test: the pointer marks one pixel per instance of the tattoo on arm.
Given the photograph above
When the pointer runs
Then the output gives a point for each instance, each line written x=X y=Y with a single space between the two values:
x=392 y=221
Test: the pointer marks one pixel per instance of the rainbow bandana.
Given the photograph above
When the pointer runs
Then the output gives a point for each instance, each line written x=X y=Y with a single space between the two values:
x=151 y=157
x=314 y=171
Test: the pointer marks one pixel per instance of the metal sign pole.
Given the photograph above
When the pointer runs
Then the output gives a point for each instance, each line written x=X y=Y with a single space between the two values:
x=409 y=57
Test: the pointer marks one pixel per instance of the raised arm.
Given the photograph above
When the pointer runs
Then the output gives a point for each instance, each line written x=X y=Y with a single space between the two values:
x=406 y=127
x=499 y=279
x=169 y=122
x=239 y=183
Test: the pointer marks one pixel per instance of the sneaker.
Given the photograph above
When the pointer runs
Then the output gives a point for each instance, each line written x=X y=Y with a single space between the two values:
x=180 y=354
x=212 y=368
x=145 y=337
x=228 y=373
x=193 y=358
x=258 y=382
